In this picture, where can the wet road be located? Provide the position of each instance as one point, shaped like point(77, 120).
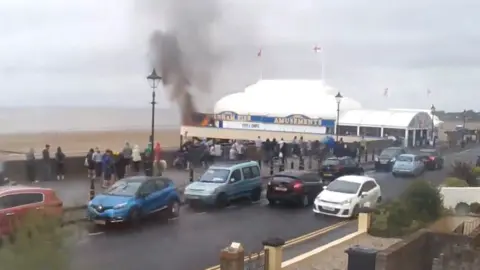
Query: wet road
point(194, 240)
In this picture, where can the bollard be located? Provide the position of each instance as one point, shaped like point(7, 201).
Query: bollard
point(191, 174)
point(319, 166)
point(373, 154)
point(359, 158)
point(292, 165)
point(366, 156)
point(260, 164)
point(301, 164)
point(92, 188)
point(271, 167)
point(310, 162)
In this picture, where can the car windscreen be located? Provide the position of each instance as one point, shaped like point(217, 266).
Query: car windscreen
point(330, 162)
point(405, 158)
point(123, 188)
point(341, 186)
point(389, 152)
point(215, 176)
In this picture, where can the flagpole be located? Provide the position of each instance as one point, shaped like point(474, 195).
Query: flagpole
point(322, 58)
point(260, 60)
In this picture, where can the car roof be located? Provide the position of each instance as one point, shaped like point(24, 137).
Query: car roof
point(355, 178)
point(339, 158)
point(233, 164)
point(407, 155)
point(19, 188)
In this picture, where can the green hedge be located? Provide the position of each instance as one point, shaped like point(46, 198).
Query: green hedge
point(418, 206)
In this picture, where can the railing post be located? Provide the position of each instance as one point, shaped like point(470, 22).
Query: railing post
point(301, 164)
point(274, 253)
point(191, 174)
point(364, 219)
point(373, 154)
point(271, 167)
point(232, 257)
point(366, 156)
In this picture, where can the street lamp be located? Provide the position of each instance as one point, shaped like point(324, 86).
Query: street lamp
point(154, 81)
point(338, 98)
point(464, 118)
point(432, 111)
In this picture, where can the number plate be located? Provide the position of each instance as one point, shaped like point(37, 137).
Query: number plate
point(327, 174)
point(383, 161)
point(100, 222)
point(281, 189)
point(328, 208)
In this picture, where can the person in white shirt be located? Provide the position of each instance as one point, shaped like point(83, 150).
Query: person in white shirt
point(233, 152)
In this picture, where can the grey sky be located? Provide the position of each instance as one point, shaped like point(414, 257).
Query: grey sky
point(82, 52)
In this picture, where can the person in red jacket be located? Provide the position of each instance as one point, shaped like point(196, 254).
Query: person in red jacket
point(157, 152)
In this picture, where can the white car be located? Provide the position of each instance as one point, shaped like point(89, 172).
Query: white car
point(344, 196)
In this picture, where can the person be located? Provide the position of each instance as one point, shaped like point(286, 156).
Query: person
point(31, 170)
point(90, 164)
point(232, 155)
point(136, 158)
point(108, 168)
point(127, 156)
point(120, 166)
point(283, 151)
point(98, 159)
point(157, 152)
point(60, 164)
point(46, 163)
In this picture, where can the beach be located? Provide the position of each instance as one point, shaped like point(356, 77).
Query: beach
point(79, 142)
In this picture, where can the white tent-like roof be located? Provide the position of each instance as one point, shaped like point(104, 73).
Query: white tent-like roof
point(386, 119)
point(436, 121)
point(281, 98)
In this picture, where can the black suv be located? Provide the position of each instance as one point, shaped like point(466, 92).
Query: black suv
point(335, 167)
point(386, 159)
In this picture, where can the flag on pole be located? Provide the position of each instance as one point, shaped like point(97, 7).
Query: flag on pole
point(428, 92)
point(317, 49)
point(385, 92)
point(259, 54)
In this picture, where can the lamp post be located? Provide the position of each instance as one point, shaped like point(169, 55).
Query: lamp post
point(432, 111)
point(464, 118)
point(154, 81)
point(338, 98)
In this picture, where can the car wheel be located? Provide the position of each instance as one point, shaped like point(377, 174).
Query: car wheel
point(379, 199)
point(222, 200)
point(256, 194)
point(173, 209)
point(355, 211)
point(305, 201)
point(134, 217)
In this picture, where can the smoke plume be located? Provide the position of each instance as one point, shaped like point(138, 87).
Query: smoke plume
point(184, 51)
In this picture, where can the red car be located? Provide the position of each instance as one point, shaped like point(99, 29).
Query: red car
point(17, 201)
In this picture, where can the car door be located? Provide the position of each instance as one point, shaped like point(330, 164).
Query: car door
point(235, 187)
point(161, 193)
point(350, 166)
point(149, 199)
point(371, 197)
point(6, 215)
point(19, 205)
point(248, 179)
point(365, 196)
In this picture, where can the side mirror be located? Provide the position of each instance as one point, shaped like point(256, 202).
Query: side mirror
point(232, 180)
point(324, 187)
point(363, 194)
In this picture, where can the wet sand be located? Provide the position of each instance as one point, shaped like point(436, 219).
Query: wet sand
point(78, 143)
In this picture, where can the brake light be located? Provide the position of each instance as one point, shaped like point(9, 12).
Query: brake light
point(431, 158)
point(298, 186)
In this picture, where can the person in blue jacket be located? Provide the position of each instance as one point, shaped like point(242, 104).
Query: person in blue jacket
point(108, 168)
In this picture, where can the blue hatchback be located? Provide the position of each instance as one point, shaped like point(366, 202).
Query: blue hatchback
point(133, 198)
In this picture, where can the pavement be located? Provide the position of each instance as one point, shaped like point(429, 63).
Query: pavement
point(194, 240)
point(76, 191)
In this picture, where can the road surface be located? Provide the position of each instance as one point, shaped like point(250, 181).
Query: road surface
point(194, 240)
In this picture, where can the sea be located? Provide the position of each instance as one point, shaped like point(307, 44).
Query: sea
point(68, 119)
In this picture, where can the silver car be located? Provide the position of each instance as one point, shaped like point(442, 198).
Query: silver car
point(408, 165)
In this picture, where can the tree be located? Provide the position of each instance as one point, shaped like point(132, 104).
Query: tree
point(38, 243)
point(455, 182)
point(423, 201)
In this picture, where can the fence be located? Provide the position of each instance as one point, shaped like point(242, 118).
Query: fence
point(257, 260)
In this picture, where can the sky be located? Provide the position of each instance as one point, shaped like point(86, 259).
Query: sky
point(96, 53)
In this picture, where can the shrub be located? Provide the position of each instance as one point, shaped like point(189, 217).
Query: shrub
point(464, 171)
point(476, 171)
point(454, 182)
point(423, 201)
point(475, 208)
point(37, 243)
point(462, 208)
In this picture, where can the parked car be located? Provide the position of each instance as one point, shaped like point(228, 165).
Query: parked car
point(408, 165)
point(335, 167)
point(431, 158)
point(16, 202)
point(224, 182)
point(133, 198)
point(344, 196)
point(298, 187)
point(386, 159)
